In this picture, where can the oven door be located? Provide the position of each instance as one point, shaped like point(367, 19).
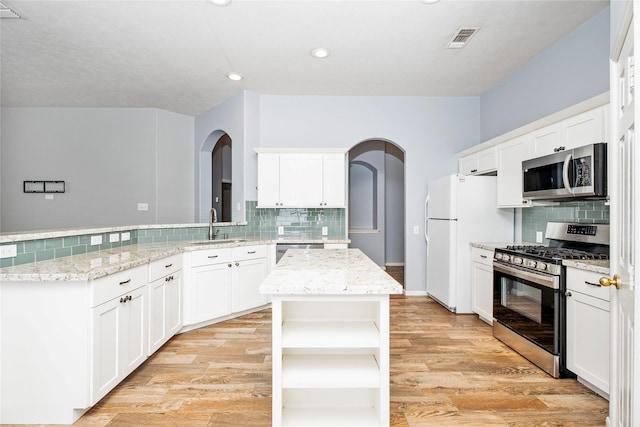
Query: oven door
point(528, 303)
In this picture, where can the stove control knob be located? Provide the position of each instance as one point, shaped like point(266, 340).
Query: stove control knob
point(542, 266)
point(517, 260)
point(531, 263)
point(506, 258)
point(498, 256)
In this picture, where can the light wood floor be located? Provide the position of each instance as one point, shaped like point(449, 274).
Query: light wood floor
point(446, 370)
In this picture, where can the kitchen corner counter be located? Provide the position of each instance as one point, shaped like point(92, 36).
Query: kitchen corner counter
point(490, 246)
point(330, 272)
point(596, 266)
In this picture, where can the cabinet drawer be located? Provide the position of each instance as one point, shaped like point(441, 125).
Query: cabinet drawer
point(249, 252)
point(164, 266)
point(113, 285)
point(483, 256)
point(210, 256)
point(578, 280)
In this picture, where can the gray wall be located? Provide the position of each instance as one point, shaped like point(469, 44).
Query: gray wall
point(394, 206)
point(111, 159)
point(574, 69)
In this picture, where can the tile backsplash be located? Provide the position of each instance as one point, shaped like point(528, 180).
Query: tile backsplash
point(588, 212)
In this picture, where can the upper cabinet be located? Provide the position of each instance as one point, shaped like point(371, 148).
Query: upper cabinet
point(302, 179)
point(583, 129)
point(510, 157)
point(480, 163)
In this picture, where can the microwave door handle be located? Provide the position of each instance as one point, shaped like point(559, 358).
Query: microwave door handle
point(565, 174)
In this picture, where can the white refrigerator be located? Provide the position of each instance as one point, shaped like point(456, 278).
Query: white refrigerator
point(459, 210)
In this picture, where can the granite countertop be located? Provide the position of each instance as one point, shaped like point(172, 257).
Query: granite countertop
point(490, 245)
point(330, 272)
point(97, 264)
point(596, 266)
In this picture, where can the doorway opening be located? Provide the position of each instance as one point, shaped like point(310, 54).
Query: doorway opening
point(376, 203)
point(221, 178)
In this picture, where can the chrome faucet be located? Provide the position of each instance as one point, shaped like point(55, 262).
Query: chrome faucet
point(213, 217)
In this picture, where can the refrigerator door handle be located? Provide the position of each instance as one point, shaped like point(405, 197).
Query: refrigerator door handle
point(426, 221)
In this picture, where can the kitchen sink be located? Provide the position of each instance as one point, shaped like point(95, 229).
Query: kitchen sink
point(213, 242)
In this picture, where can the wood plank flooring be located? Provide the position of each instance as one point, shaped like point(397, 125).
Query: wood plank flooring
point(446, 370)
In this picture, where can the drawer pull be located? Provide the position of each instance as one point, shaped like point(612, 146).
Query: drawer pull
point(593, 284)
point(168, 265)
point(474, 170)
point(251, 252)
point(125, 282)
point(483, 256)
point(212, 256)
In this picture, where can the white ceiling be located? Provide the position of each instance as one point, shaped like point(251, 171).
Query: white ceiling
point(175, 55)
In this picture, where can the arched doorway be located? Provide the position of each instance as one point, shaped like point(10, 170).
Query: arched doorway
point(376, 201)
point(216, 176)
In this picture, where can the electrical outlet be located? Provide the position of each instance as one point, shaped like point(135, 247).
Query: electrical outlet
point(48, 196)
point(538, 236)
point(115, 237)
point(238, 207)
point(96, 240)
point(416, 229)
point(8, 251)
point(280, 230)
point(125, 236)
point(143, 206)
point(325, 231)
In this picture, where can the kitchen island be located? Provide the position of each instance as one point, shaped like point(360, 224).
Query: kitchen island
point(330, 313)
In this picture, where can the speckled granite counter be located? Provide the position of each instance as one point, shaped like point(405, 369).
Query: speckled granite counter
point(334, 272)
point(97, 264)
point(596, 266)
point(490, 245)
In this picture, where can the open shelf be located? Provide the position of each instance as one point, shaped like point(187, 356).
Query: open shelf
point(327, 334)
point(330, 371)
point(330, 416)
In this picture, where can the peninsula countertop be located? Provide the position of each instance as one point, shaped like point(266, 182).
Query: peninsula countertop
point(328, 272)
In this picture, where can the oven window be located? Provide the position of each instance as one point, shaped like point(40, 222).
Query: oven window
point(523, 299)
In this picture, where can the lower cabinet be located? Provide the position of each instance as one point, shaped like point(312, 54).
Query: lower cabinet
point(331, 360)
point(119, 339)
point(482, 283)
point(165, 300)
point(211, 285)
point(249, 270)
point(588, 329)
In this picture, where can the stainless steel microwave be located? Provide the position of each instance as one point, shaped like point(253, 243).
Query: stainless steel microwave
point(577, 173)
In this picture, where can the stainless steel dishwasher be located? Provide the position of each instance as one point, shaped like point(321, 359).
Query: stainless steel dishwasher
point(281, 248)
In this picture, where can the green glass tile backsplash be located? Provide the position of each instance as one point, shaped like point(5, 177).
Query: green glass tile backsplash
point(535, 219)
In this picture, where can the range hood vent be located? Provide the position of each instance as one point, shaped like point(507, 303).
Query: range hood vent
point(461, 37)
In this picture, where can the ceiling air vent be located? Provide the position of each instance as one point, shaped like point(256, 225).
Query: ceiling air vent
point(461, 37)
point(6, 12)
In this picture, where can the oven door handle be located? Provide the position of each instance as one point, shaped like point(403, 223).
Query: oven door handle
point(546, 280)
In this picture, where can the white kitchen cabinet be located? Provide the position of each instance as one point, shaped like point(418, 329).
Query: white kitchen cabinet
point(311, 179)
point(331, 360)
point(510, 156)
point(482, 162)
point(249, 270)
point(586, 128)
point(210, 284)
point(588, 334)
point(119, 329)
point(482, 283)
point(165, 300)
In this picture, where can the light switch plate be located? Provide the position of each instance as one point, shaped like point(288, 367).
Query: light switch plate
point(143, 206)
point(280, 230)
point(8, 251)
point(125, 236)
point(325, 231)
point(114, 237)
point(538, 236)
point(416, 229)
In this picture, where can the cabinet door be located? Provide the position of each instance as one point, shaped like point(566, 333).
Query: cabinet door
point(173, 304)
point(268, 180)
point(211, 295)
point(301, 180)
point(548, 140)
point(510, 157)
point(478, 163)
point(334, 181)
point(157, 313)
point(135, 323)
point(482, 291)
point(588, 339)
point(106, 341)
point(247, 276)
point(586, 128)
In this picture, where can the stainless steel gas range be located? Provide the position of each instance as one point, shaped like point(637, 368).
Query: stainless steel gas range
point(529, 285)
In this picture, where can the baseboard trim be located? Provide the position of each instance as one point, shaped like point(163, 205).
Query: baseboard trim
point(394, 264)
point(415, 293)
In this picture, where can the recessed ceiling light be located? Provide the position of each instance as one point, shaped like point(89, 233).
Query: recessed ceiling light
point(429, 1)
point(234, 76)
point(320, 52)
point(220, 2)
